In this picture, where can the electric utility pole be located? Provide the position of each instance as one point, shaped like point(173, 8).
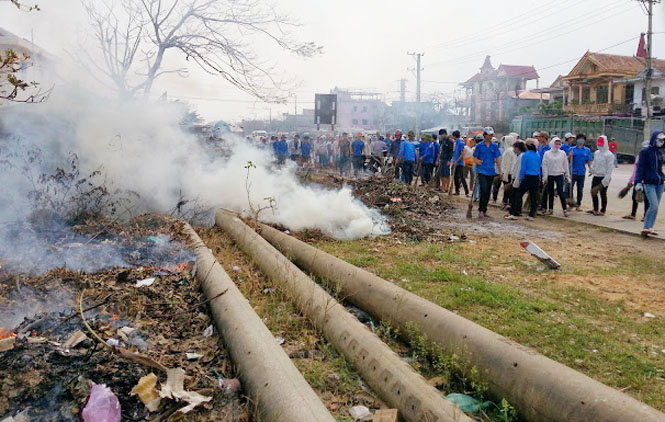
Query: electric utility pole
point(647, 90)
point(418, 70)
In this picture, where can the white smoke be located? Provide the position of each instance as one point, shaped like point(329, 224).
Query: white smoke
point(142, 147)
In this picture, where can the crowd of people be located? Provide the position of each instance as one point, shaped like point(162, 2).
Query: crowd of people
point(541, 167)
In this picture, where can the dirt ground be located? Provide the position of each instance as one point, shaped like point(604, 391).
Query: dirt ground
point(592, 258)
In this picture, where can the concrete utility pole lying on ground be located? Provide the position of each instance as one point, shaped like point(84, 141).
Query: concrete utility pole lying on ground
point(541, 389)
point(271, 381)
point(385, 372)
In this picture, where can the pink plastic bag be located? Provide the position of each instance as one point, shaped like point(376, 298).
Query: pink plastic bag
point(102, 406)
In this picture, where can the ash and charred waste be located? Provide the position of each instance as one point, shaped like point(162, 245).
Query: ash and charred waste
point(48, 370)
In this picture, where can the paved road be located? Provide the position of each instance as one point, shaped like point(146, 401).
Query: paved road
point(616, 208)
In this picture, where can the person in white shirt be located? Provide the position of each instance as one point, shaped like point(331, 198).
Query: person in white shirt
point(601, 170)
point(508, 159)
point(555, 171)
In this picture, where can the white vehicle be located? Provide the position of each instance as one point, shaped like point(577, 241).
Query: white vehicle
point(258, 134)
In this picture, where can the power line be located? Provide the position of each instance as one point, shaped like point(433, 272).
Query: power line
point(508, 47)
point(535, 11)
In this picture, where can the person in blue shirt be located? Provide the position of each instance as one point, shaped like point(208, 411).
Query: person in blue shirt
point(281, 148)
point(458, 163)
point(428, 156)
point(649, 178)
point(447, 148)
point(407, 157)
point(487, 156)
point(543, 146)
point(306, 150)
point(580, 158)
point(358, 150)
point(568, 142)
point(529, 180)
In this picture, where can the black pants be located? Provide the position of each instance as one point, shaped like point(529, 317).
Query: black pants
point(530, 184)
point(407, 171)
point(343, 164)
point(507, 190)
point(485, 184)
point(426, 170)
point(496, 185)
point(358, 161)
point(603, 194)
point(636, 204)
point(398, 169)
point(542, 192)
point(459, 179)
point(578, 179)
point(558, 180)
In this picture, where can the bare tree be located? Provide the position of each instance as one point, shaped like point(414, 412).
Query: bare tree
point(135, 35)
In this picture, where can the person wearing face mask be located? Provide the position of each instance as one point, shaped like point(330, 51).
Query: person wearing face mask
point(601, 170)
point(649, 178)
point(580, 158)
point(515, 210)
point(555, 170)
point(528, 180)
point(508, 159)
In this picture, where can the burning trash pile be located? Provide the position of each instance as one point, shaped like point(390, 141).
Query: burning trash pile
point(415, 212)
point(123, 342)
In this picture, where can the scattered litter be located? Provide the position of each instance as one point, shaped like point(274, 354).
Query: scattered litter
point(333, 378)
point(124, 332)
point(208, 331)
point(193, 356)
point(407, 359)
point(540, 269)
point(467, 403)
point(236, 268)
point(102, 406)
point(360, 413)
point(594, 351)
point(662, 351)
point(579, 361)
point(268, 291)
point(454, 238)
point(147, 392)
point(405, 280)
point(280, 340)
point(434, 199)
point(113, 342)
point(385, 415)
point(7, 344)
point(395, 199)
point(174, 389)
point(77, 337)
point(542, 256)
point(20, 417)
point(648, 315)
point(231, 386)
point(473, 242)
point(464, 272)
point(145, 282)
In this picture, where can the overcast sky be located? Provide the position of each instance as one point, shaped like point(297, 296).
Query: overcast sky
point(365, 44)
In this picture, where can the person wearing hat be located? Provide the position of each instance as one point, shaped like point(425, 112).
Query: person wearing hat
point(614, 149)
point(568, 142)
point(601, 170)
point(407, 158)
point(487, 156)
point(555, 171)
point(650, 179)
point(358, 150)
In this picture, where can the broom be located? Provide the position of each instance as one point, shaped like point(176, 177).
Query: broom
point(469, 211)
point(623, 192)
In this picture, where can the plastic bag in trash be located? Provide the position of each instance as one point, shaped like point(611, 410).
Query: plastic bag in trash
point(102, 406)
point(467, 403)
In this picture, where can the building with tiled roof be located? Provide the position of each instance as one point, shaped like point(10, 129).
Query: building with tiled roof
point(605, 83)
point(487, 91)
